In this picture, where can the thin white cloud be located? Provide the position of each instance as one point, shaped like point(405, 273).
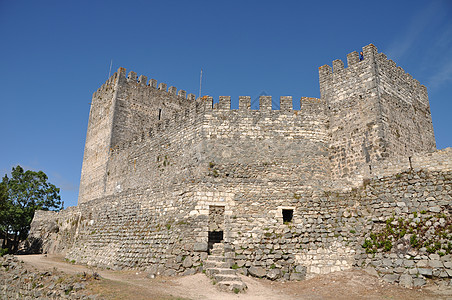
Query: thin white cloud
point(414, 30)
point(442, 76)
point(436, 60)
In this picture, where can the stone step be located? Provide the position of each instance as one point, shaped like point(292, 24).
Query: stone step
point(216, 264)
point(216, 252)
point(214, 271)
point(218, 245)
point(215, 258)
point(232, 285)
point(226, 277)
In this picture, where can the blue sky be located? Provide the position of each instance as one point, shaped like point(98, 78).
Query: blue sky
point(55, 54)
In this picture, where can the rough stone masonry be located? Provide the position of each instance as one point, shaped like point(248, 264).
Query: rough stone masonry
point(352, 179)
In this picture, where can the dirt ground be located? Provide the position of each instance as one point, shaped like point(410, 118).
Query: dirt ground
point(351, 284)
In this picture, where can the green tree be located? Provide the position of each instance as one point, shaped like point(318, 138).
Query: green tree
point(4, 208)
point(20, 196)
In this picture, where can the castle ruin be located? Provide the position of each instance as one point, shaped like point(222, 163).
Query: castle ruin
point(167, 178)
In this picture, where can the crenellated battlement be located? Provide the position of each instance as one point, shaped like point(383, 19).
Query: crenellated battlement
point(142, 80)
point(265, 104)
point(371, 57)
point(120, 77)
point(353, 60)
point(312, 107)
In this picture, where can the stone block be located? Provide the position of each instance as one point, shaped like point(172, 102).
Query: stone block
point(435, 209)
point(422, 263)
point(257, 271)
point(274, 274)
point(434, 256)
point(425, 272)
point(387, 263)
point(200, 247)
point(297, 276)
point(408, 263)
point(187, 263)
point(406, 280)
point(419, 282)
point(300, 269)
point(391, 278)
point(371, 271)
point(435, 264)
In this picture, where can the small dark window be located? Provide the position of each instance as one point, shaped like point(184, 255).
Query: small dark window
point(160, 113)
point(287, 215)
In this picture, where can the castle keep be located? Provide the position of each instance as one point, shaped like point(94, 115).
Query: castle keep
point(168, 179)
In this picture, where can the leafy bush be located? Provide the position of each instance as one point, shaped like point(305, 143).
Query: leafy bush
point(3, 251)
point(428, 232)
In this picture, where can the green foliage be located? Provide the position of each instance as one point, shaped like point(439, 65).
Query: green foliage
point(435, 238)
point(20, 196)
point(68, 290)
point(3, 251)
point(368, 245)
point(414, 242)
point(234, 267)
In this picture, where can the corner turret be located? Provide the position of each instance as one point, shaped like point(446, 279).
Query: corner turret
point(376, 111)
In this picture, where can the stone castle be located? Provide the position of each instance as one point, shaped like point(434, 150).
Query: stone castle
point(168, 179)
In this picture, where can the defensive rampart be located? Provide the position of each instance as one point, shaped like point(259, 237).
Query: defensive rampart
point(349, 180)
point(166, 231)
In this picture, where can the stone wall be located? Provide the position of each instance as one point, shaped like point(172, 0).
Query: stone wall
point(328, 230)
point(405, 110)
point(20, 282)
point(439, 160)
point(280, 145)
point(97, 142)
point(167, 232)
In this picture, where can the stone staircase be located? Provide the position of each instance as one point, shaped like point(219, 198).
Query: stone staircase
point(218, 267)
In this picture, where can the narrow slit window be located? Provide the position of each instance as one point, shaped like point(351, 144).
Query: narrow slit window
point(160, 114)
point(287, 215)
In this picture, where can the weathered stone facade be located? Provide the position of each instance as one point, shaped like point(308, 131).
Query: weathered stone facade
point(290, 193)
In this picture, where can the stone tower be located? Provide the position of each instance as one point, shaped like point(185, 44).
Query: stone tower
point(376, 111)
point(121, 109)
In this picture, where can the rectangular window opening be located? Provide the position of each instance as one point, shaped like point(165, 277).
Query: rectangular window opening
point(287, 215)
